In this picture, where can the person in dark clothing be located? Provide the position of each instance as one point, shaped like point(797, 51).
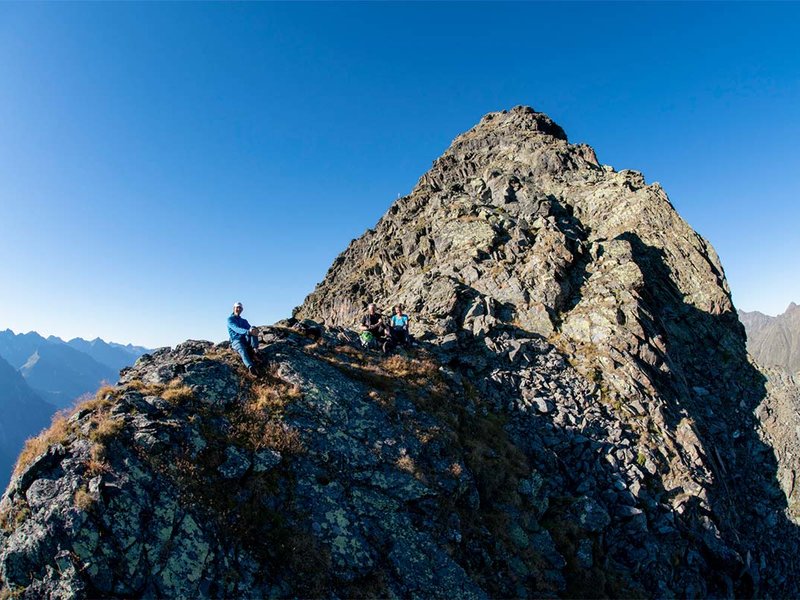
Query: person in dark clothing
point(373, 329)
point(244, 339)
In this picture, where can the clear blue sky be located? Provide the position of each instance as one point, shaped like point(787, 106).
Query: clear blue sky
point(160, 161)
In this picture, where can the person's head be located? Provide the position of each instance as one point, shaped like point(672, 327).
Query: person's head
point(398, 309)
point(371, 308)
point(238, 308)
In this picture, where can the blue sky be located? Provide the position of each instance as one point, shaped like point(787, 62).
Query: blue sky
point(160, 161)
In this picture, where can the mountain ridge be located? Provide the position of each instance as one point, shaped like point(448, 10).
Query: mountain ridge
point(22, 414)
point(580, 417)
point(119, 353)
point(774, 341)
point(69, 369)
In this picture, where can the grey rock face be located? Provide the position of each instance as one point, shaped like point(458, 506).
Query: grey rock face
point(774, 341)
point(515, 233)
point(579, 418)
point(779, 425)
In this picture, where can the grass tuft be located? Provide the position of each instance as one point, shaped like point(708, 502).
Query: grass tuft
point(105, 427)
point(83, 499)
point(59, 432)
point(177, 392)
point(280, 437)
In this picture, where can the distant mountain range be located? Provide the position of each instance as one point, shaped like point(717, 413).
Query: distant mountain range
point(40, 375)
point(774, 341)
point(60, 371)
point(22, 414)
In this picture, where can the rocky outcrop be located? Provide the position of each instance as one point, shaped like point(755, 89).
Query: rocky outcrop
point(774, 341)
point(580, 417)
point(779, 427)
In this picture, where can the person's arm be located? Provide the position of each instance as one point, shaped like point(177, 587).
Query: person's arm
point(235, 328)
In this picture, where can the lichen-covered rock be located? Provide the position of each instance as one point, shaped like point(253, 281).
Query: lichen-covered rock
point(579, 418)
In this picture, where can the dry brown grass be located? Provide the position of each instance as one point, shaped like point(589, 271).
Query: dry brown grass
point(58, 432)
point(102, 399)
point(280, 437)
point(256, 422)
point(105, 427)
point(220, 353)
point(145, 389)
point(421, 370)
point(177, 392)
point(388, 374)
point(83, 499)
point(96, 467)
point(9, 594)
point(406, 463)
point(13, 516)
point(61, 429)
point(386, 400)
point(269, 398)
point(348, 351)
point(96, 464)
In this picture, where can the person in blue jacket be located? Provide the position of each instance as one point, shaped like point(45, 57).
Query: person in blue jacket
point(244, 339)
point(399, 327)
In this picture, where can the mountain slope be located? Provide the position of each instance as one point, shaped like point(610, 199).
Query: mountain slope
point(17, 348)
point(61, 374)
point(580, 418)
point(515, 232)
point(62, 371)
point(22, 414)
point(774, 341)
point(114, 356)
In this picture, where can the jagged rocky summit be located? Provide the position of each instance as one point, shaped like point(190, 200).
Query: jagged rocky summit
point(580, 417)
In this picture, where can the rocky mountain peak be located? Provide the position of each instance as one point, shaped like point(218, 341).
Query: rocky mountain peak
point(579, 417)
point(774, 341)
point(514, 213)
point(520, 119)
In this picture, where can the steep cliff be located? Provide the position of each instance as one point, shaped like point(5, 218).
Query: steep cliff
point(580, 417)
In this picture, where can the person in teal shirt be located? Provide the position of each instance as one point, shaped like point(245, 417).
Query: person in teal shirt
point(399, 327)
point(244, 339)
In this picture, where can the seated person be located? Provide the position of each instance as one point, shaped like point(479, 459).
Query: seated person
point(244, 339)
point(373, 327)
point(399, 327)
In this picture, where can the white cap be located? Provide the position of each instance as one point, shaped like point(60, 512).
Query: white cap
point(238, 304)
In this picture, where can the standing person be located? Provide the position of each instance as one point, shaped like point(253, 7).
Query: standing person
point(399, 330)
point(244, 339)
point(373, 327)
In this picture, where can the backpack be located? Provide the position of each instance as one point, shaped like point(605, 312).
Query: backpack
point(367, 339)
